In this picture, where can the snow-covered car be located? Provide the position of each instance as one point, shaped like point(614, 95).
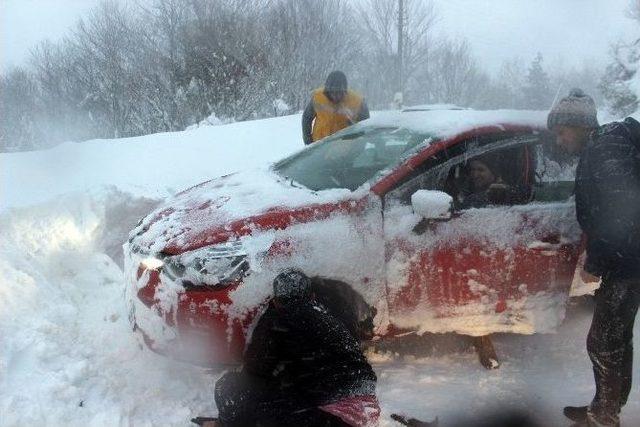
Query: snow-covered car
point(372, 213)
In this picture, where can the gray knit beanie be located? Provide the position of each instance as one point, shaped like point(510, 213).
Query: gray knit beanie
point(577, 110)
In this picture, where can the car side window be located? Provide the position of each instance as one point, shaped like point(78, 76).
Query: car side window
point(555, 173)
point(484, 173)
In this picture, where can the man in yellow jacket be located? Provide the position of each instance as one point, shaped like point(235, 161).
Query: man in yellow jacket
point(332, 107)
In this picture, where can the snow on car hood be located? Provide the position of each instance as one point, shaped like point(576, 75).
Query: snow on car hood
point(232, 205)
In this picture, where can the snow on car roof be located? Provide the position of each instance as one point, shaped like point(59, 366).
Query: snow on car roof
point(446, 123)
point(432, 107)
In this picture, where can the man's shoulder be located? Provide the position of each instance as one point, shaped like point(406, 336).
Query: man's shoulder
point(613, 141)
point(613, 129)
point(627, 131)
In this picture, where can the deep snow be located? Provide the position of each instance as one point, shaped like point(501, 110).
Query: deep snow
point(153, 166)
point(68, 356)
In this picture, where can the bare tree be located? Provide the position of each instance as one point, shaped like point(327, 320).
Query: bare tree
point(163, 61)
point(453, 75)
point(507, 92)
point(537, 93)
point(162, 65)
point(620, 73)
point(380, 22)
point(307, 40)
point(587, 77)
point(107, 45)
point(18, 127)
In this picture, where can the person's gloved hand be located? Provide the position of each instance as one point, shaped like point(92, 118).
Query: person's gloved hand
point(498, 193)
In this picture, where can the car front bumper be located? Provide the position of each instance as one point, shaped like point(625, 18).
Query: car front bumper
point(191, 326)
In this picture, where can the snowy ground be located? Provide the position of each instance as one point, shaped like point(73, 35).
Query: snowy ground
point(67, 354)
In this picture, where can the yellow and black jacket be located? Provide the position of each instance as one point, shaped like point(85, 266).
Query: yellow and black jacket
point(322, 117)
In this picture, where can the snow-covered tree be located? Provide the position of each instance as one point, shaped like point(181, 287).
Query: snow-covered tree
point(451, 75)
point(537, 91)
point(586, 77)
point(506, 89)
point(307, 40)
point(620, 83)
point(107, 49)
point(18, 128)
point(130, 68)
point(163, 61)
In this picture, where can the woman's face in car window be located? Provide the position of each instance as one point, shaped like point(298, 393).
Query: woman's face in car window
point(480, 176)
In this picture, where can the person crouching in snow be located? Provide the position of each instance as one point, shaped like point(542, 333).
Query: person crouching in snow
point(607, 193)
point(302, 367)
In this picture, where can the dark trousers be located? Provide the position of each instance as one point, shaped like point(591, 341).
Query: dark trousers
point(610, 346)
point(244, 401)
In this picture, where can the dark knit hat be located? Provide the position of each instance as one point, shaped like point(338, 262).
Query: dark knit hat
point(291, 284)
point(577, 110)
point(336, 82)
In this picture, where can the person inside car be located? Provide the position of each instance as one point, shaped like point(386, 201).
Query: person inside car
point(302, 367)
point(484, 186)
point(481, 177)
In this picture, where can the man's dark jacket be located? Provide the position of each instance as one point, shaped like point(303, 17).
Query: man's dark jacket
point(608, 200)
point(302, 350)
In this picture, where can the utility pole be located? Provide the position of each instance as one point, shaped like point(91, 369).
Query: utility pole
point(399, 93)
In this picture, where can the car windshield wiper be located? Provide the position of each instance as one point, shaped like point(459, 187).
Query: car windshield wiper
point(352, 136)
point(295, 184)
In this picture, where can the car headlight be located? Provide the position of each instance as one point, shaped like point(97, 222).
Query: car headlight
point(151, 263)
point(212, 266)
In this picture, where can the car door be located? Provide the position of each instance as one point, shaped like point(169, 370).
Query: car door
point(499, 268)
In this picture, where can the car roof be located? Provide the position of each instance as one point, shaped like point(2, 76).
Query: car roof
point(432, 107)
point(447, 123)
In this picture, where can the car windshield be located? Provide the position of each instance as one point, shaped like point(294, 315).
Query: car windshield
point(350, 158)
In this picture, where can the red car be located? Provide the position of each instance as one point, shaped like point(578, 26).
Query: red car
point(379, 216)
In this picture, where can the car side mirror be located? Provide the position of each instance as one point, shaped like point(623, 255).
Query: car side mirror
point(431, 204)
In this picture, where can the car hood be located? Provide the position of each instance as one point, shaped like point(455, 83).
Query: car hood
point(233, 206)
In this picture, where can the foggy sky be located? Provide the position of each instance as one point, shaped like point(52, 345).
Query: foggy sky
point(566, 32)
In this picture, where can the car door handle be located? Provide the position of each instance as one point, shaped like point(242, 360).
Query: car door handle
point(550, 245)
point(544, 246)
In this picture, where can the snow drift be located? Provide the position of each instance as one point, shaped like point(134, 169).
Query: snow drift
point(69, 358)
point(68, 355)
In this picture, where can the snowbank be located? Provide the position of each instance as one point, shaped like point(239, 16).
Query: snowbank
point(69, 358)
point(154, 166)
point(67, 354)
